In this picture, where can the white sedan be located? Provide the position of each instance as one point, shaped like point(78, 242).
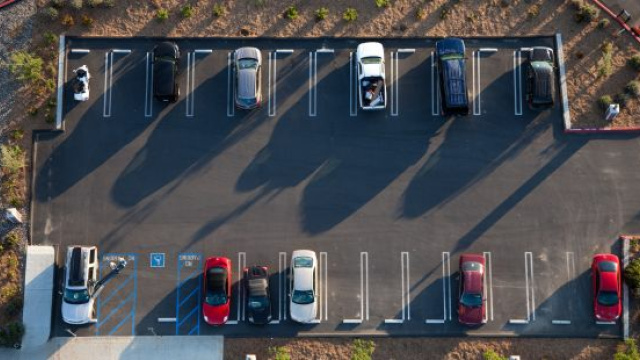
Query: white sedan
point(303, 302)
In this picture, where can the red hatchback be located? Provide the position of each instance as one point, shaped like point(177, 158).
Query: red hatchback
point(472, 301)
point(607, 287)
point(217, 290)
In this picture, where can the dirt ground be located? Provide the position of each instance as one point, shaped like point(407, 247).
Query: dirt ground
point(426, 348)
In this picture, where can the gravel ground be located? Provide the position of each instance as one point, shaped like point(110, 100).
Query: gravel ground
point(16, 23)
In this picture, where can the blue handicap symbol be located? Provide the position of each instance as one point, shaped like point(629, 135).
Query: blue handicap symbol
point(157, 260)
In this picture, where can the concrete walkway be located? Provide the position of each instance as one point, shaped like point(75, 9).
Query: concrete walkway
point(126, 348)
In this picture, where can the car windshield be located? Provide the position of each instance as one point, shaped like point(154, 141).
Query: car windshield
point(76, 296)
point(607, 298)
point(247, 64)
point(216, 298)
point(451, 57)
point(258, 302)
point(472, 300)
point(371, 60)
point(303, 261)
point(302, 296)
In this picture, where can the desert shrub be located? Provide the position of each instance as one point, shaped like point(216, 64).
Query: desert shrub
point(87, 20)
point(533, 11)
point(67, 20)
point(12, 262)
point(633, 88)
point(109, 3)
point(605, 101)
point(75, 4)
point(49, 38)
point(322, 13)
point(162, 14)
point(621, 99)
point(634, 61)
point(383, 3)
point(51, 13)
point(421, 14)
point(33, 111)
point(49, 117)
point(577, 4)
point(58, 4)
point(12, 240)
point(94, 3)
point(605, 68)
point(291, 13)
point(186, 11)
point(279, 353)
point(362, 349)
point(14, 306)
point(9, 290)
point(492, 355)
point(218, 10)
point(445, 12)
point(627, 351)
point(12, 158)
point(632, 274)
point(49, 84)
point(604, 23)
point(587, 13)
point(26, 66)
point(606, 47)
point(11, 334)
point(471, 18)
point(350, 14)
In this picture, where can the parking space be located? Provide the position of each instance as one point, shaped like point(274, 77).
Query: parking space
point(388, 199)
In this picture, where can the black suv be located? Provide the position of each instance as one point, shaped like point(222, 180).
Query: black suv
point(540, 77)
point(451, 64)
point(166, 57)
point(257, 294)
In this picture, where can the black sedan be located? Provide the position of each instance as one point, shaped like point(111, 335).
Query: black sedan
point(257, 294)
point(166, 57)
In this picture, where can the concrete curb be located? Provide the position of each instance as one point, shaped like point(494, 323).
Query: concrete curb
point(626, 242)
point(61, 71)
point(564, 97)
point(38, 295)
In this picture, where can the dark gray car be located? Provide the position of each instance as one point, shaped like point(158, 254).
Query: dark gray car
point(247, 68)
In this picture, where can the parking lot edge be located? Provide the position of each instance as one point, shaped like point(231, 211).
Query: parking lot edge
point(564, 97)
point(61, 72)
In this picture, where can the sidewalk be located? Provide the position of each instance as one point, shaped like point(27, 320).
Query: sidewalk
point(129, 348)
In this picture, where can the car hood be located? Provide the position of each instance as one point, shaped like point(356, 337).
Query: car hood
point(303, 313)
point(77, 313)
point(470, 315)
point(607, 313)
point(372, 70)
point(261, 316)
point(216, 315)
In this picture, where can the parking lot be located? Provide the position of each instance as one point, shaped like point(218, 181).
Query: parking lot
point(388, 199)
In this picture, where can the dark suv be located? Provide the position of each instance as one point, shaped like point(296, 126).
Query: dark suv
point(257, 294)
point(540, 78)
point(451, 64)
point(166, 57)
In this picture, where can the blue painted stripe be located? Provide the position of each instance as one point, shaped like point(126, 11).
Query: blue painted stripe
point(199, 302)
point(135, 296)
point(188, 296)
point(117, 290)
point(188, 316)
point(120, 324)
point(178, 296)
point(126, 300)
point(195, 328)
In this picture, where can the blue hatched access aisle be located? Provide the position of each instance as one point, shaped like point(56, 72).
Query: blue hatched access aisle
point(188, 294)
point(116, 304)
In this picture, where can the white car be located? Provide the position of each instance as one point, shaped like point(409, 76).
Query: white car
point(81, 83)
point(372, 92)
point(303, 302)
point(79, 280)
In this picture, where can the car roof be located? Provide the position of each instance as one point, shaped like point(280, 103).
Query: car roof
point(166, 48)
point(247, 83)
point(76, 267)
point(543, 77)
point(303, 278)
point(473, 281)
point(608, 281)
point(248, 52)
point(257, 287)
point(455, 89)
point(541, 53)
point(216, 277)
point(164, 82)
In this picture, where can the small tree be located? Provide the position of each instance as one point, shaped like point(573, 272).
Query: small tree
point(605, 101)
point(627, 351)
point(633, 88)
point(12, 157)
point(162, 14)
point(634, 61)
point(362, 349)
point(25, 66)
point(218, 10)
point(291, 13)
point(632, 274)
point(322, 13)
point(350, 15)
point(186, 11)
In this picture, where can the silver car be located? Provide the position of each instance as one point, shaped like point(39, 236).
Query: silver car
point(247, 69)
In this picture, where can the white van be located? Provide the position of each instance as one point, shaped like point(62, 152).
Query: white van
point(80, 277)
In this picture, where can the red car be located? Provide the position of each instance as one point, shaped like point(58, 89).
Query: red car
point(472, 301)
point(217, 290)
point(607, 287)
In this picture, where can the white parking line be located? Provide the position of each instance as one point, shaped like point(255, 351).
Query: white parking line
point(311, 87)
point(406, 291)
point(625, 289)
point(242, 262)
point(121, 51)
point(108, 77)
point(313, 79)
point(191, 70)
point(353, 83)
point(529, 291)
point(488, 289)
point(203, 51)
point(517, 83)
point(364, 290)
point(273, 79)
point(476, 83)
point(269, 87)
point(393, 82)
point(230, 87)
point(446, 290)
point(148, 91)
point(571, 270)
point(282, 287)
point(435, 88)
point(324, 285)
point(166, 320)
point(561, 322)
point(406, 51)
point(532, 286)
point(80, 51)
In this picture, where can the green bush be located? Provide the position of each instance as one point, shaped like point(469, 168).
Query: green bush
point(218, 10)
point(67, 20)
point(533, 11)
point(492, 355)
point(49, 38)
point(58, 4)
point(627, 351)
point(17, 134)
point(279, 353)
point(444, 13)
point(291, 13)
point(186, 11)
point(94, 3)
point(322, 13)
point(383, 3)
point(12, 240)
point(604, 23)
point(51, 13)
point(633, 88)
point(634, 61)
point(587, 13)
point(162, 14)
point(75, 4)
point(12, 158)
point(577, 4)
point(605, 68)
point(606, 47)
point(14, 306)
point(421, 14)
point(350, 15)
point(605, 101)
point(25, 66)
point(621, 99)
point(12, 334)
point(87, 21)
point(362, 349)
